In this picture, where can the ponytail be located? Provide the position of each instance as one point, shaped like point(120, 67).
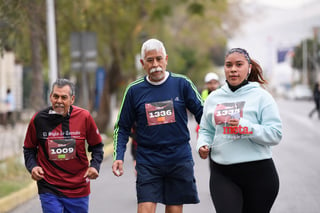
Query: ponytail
point(256, 73)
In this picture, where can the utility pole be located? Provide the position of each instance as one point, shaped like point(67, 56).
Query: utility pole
point(315, 58)
point(305, 62)
point(52, 42)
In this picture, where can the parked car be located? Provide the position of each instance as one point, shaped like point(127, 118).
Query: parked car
point(300, 92)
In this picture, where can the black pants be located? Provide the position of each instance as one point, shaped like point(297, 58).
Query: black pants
point(245, 187)
point(316, 109)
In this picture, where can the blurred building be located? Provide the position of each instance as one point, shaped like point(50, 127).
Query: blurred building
point(10, 77)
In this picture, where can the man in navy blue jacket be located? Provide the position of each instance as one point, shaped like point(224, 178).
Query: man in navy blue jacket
point(158, 104)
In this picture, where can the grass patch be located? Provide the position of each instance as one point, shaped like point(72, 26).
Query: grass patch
point(13, 175)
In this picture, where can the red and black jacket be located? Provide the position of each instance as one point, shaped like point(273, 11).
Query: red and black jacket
point(63, 177)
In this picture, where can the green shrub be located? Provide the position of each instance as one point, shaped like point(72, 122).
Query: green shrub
point(13, 175)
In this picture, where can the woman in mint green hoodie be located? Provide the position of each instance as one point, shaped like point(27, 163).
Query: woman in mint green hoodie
point(240, 123)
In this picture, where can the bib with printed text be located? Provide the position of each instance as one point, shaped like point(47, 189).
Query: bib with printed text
point(160, 112)
point(62, 149)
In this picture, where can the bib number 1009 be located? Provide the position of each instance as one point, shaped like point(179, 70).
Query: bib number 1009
point(58, 150)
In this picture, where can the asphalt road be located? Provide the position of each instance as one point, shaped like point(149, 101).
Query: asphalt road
point(297, 160)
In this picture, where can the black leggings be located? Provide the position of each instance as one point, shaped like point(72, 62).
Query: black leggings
point(245, 187)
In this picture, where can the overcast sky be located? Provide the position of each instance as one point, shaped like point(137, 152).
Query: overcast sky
point(282, 3)
point(269, 28)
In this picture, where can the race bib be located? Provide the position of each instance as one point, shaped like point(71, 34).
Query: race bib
point(223, 112)
point(160, 112)
point(62, 149)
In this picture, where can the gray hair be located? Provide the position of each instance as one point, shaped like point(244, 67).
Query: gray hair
point(61, 82)
point(152, 44)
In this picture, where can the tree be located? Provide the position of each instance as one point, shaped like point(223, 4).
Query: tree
point(193, 32)
point(35, 13)
point(179, 23)
point(313, 59)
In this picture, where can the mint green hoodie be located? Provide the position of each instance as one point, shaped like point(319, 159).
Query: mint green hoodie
point(260, 125)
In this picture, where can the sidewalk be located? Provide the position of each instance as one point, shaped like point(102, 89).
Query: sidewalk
point(11, 144)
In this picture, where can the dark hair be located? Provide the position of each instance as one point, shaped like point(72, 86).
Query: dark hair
point(241, 51)
point(61, 82)
point(256, 74)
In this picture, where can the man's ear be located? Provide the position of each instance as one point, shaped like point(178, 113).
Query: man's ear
point(142, 62)
point(72, 99)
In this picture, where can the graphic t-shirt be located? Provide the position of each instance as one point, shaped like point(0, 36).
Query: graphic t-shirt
point(60, 146)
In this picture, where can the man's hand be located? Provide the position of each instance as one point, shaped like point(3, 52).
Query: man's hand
point(204, 152)
point(37, 173)
point(91, 173)
point(117, 168)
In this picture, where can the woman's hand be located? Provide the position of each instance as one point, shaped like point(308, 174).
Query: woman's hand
point(204, 152)
point(233, 122)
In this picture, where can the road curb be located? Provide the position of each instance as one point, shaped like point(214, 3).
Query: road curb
point(17, 198)
point(11, 201)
